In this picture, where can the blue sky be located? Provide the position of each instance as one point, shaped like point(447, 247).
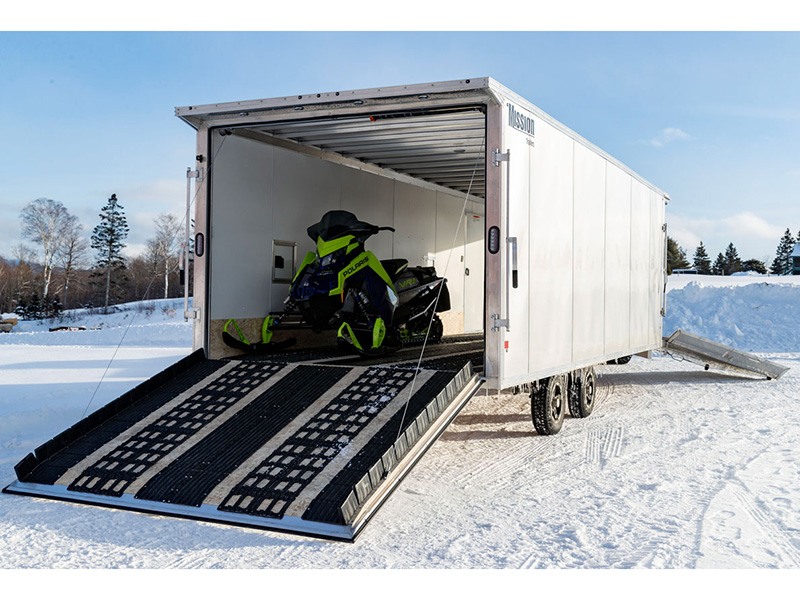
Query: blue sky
point(712, 118)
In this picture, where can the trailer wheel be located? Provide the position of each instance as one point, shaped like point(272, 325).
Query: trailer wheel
point(582, 394)
point(624, 360)
point(548, 404)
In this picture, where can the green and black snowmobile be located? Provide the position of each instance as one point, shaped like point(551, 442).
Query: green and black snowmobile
point(375, 306)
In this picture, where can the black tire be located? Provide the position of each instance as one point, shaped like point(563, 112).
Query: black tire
point(624, 360)
point(549, 404)
point(436, 331)
point(582, 393)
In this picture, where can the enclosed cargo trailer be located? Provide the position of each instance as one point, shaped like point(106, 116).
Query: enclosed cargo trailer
point(552, 249)
point(554, 254)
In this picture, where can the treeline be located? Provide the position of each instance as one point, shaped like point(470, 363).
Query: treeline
point(729, 262)
point(62, 268)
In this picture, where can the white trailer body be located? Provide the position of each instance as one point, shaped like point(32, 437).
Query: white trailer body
point(552, 249)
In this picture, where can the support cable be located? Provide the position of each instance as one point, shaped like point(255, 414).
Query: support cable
point(150, 284)
point(461, 218)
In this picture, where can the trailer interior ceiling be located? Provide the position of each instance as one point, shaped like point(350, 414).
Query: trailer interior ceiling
point(444, 146)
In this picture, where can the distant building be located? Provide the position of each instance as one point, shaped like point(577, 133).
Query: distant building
point(795, 258)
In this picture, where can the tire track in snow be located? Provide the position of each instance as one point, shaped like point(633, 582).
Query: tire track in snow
point(603, 445)
point(495, 475)
point(765, 524)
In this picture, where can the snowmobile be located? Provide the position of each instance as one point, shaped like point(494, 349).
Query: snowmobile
point(376, 306)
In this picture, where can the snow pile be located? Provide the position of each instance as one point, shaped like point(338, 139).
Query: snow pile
point(754, 317)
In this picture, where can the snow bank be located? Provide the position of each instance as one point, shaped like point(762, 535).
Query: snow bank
point(754, 317)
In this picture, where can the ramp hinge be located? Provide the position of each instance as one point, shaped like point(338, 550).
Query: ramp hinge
point(192, 174)
point(497, 323)
point(498, 157)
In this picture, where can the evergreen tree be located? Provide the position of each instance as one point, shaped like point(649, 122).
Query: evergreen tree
point(676, 256)
point(733, 264)
point(782, 263)
point(107, 240)
point(701, 261)
point(719, 265)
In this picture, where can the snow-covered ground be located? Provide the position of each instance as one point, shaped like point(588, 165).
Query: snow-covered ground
point(677, 467)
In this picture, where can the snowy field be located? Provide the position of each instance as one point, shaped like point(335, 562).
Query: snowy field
point(676, 468)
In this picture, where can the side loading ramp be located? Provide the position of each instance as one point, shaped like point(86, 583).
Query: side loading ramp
point(281, 442)
point(709, 353)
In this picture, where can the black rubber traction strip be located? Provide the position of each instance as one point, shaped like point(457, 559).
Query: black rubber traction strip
point(56, 456)
point(194, 474)
point(325, 507)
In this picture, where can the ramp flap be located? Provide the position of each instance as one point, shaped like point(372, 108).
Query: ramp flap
point(307, 448)
point(722, 356)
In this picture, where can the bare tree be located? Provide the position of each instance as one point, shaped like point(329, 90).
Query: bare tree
point(163, 249)
point(43, 222)
point(73, 252)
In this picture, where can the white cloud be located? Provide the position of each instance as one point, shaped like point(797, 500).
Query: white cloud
point(752, 236)
point(669, 135)
point(748, 225)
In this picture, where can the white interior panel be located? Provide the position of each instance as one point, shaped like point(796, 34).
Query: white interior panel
point(474, 268)
point(589, 254)
point(617, 259)
point(449, 255)
point(415, 222)
point(371, 199)
point(240, 241)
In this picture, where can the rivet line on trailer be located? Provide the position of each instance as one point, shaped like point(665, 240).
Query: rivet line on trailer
point(149, 285)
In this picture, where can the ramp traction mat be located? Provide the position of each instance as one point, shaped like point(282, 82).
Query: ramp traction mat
point(279, 479)
point(123, 464)
point(267, 444)
point(192, 476)
point(51, 469)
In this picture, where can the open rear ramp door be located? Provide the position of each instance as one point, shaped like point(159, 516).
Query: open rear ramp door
point(305, 447)
point(709, 353)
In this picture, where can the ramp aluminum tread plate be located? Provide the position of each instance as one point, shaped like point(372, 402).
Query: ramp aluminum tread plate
point(304, 448)
point(724, 357)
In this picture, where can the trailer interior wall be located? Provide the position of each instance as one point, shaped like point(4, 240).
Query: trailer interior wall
point(590, 248)
point(261, 194)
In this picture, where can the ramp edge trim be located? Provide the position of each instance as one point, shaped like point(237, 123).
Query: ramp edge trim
point(379, 493)
point(205, 513)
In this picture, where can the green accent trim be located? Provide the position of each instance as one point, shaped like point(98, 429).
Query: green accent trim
point(266, 326)
point(365, 259)
point(378, 333)
point(310, 258)
point(351, 247)
point(238, 331)
point(324, 248)
point(351, 336)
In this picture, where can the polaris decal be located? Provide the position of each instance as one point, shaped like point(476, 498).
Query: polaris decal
point(350, 270)
point(520, 121)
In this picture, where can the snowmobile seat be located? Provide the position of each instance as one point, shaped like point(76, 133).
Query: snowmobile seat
point(394, 266)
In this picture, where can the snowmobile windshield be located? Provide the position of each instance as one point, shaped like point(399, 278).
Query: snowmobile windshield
point(336, 223)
